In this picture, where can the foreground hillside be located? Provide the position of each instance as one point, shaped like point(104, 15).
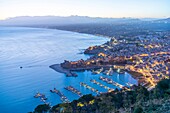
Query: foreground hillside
point(138, 100)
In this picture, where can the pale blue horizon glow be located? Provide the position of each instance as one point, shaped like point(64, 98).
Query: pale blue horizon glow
point(92, 8)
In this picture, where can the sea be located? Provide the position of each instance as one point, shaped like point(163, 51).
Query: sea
point(35, 49)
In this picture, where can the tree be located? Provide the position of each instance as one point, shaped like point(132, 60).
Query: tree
point(143, 94)
point(162, 88)
point(42, 108)
point(138, 109)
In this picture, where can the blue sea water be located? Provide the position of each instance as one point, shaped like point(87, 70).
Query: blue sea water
point(35, 49)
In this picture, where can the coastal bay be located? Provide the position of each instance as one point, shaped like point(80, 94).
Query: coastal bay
point(35, 50)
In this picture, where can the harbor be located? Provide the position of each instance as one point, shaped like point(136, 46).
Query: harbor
point(91, 84)
point(86, 85)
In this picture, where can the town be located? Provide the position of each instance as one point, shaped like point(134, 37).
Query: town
point(145, 57)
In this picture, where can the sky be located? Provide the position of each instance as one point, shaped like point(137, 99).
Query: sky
point(92, 8)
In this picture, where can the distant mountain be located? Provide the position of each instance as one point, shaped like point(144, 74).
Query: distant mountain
point(167, 20)
point(150, 19)
point(57, 20)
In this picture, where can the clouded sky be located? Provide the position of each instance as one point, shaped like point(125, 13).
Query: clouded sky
point(93, 8)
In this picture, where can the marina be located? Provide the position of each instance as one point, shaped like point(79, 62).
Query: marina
point(63, 98)
point(74, 90)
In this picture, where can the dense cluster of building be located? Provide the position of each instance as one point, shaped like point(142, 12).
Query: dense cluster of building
point(153, 67)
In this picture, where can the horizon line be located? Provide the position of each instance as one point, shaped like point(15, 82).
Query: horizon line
point(85, 16)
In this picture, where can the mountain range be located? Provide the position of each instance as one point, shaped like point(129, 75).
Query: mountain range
point(58, 20)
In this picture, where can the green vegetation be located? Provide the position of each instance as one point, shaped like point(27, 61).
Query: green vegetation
point(42, 108)
point(138, 100)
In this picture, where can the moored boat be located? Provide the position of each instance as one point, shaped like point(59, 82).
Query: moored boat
point(74, 90)
point(63, 98)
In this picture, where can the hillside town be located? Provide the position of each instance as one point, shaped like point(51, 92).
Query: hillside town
point(146, 57)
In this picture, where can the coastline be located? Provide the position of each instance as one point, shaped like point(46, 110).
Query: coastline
point(48, 28)
point(134, 51)
point(58, 68)
point(68, 72)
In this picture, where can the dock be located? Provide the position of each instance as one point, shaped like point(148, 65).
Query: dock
point(129, 84)
point(101, 85)
point(110, 81)
point(97, 71)
point(74, 90)
point(109, 72)
point(120, 71)
point(41, 96)
point(63, 98)
point(89, 87)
